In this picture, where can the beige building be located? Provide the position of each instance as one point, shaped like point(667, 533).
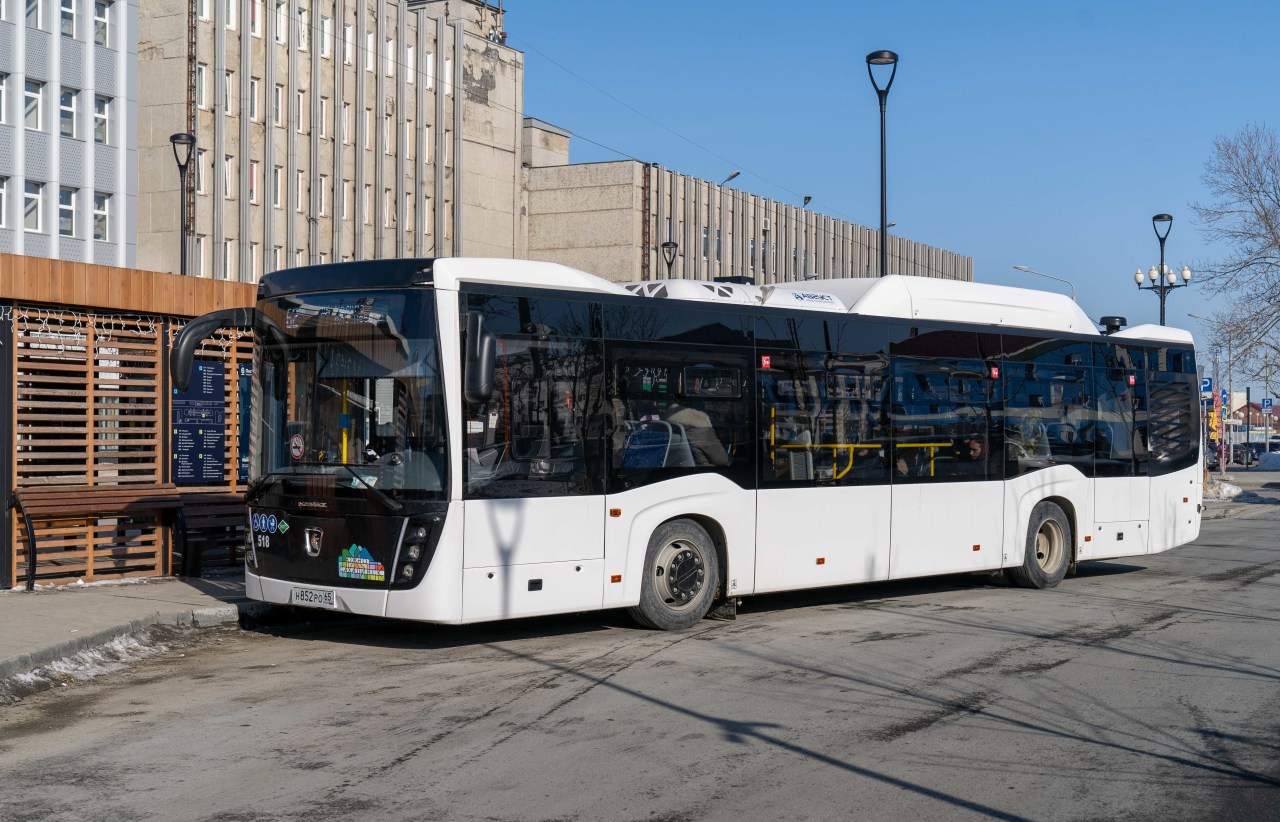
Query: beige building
point(611, 219)
point(328, 130)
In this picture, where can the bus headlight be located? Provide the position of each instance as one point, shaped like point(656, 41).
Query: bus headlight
point(413, 551)
point(406, 573)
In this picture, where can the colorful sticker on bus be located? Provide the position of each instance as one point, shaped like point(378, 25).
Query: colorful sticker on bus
point(356, 563)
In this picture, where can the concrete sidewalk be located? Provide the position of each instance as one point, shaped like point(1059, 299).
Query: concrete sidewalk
point(50, 623)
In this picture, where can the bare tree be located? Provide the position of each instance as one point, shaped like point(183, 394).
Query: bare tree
point(1243, 176)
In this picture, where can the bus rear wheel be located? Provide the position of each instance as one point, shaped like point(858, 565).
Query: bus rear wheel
point(681, 577)
point(1048, 553)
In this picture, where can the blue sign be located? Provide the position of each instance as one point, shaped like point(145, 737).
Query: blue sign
point(1206, 385)
point(198, 426)
point(1225, 401)
point(1266, 405)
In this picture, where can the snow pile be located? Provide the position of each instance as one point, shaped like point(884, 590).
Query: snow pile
point(1269, 461)
point(87, 664)
point(1219, 490)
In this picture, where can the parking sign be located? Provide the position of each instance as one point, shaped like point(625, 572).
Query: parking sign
point(1206, 385)
point(1266, 406)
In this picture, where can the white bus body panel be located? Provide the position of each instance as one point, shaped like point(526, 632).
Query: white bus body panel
point(1024, 492)
point(848, 528)
point(936, 526)
point(1121, 498)
point(709, 496)
point(1175, 503)
point(438, 596)
point(501, 532)
point(536, 589)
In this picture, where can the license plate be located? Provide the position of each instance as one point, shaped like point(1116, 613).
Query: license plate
point(313, 597)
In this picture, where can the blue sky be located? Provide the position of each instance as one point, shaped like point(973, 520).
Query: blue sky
point(1018, 132)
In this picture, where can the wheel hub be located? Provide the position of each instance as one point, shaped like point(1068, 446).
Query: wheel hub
point(681, 573)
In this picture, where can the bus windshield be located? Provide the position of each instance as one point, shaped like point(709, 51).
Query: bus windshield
point(349, 388)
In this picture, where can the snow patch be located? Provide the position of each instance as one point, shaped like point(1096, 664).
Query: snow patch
point(88, 664)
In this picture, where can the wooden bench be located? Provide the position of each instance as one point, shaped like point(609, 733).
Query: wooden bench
point(211, 525)
point(52, 502)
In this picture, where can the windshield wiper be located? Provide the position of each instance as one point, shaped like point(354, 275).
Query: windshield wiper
point(391, 505)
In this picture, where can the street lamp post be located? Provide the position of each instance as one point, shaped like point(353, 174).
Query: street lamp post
point(1162, 279)
point(669, 254)
point(182, 145)
point(882, 58)
point(1051, 277)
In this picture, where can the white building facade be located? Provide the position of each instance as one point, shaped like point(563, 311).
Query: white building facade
point(68, 129)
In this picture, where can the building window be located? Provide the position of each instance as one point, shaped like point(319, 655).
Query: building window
point(255, 92)
point(102, 22)
point(326, 36)
point(324, 117)
point(323, 206)
point(66, 212)
point(277, 106)
point(200, 238)
point(277, 254)
point(102, 119)
point(705, 242)
point(389, 56)
point(201, 93)
point(35, 14)
point(101, 216)
point(448, 75)
point(255, 260)
point(388, 208)
point(203, 9)
point(426, 152)
point(368, 204)
point(369, 51)
point(227, 165)
point(228, 259)
point(448, 141)
point(346, 123)
point(348, 43)
point(407, 222)
point(300, 182)
point(68, 18)
point(411, 66)
point(232, 6)
point(4, 96)
point(387, 131)
point(430, 70)
point(348, 191)
point(368, 128)
point(426, 214)
point(4, 202)
point(256, 10)
point(253, 181)
point(33, 207)
point(228, 81)
point(200, 162)
point(302, 107)
point(67, 103)
point(304, 29)
point(282, 23)
point(277, 186)
point(33, 105)
point(324, 258)
point(298, 258)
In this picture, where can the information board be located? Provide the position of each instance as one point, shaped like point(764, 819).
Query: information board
point(244, 386)
point(199, 422)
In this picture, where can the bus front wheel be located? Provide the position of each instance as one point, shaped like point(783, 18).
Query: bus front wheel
point(681, 577)
point(1048, 553)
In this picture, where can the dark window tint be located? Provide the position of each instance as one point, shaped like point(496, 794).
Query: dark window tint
point(1121, 357)
point(674, 412)
point(542, 316)
point(1172, 360)
point(1048, 352)
point(1174, 422)
point(1048, 417)
point(823, 419)
point(1120, 433)
point(940, 411)
point(672, 323)
point(944, 343)
point(542, 431)
point(782, 333)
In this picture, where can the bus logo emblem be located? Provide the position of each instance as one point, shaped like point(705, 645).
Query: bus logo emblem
point(314, 537)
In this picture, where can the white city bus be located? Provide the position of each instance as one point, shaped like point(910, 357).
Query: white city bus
point(460, 440)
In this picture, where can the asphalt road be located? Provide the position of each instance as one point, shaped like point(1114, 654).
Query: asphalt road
point(1142, 689)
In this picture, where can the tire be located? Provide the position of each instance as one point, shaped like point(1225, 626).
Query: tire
point(1048, 552)
point(681, 577)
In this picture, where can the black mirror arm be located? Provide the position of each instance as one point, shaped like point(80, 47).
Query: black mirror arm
point(184, 345)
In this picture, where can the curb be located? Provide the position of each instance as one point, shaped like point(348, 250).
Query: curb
point(193, 618)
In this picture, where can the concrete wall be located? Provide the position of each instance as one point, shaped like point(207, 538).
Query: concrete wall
point(593, 216)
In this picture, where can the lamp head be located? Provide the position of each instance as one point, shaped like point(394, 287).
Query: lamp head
point(807, 199)
point(882, 58)
point(669, 251)
point(1170, 278)
point(1137, 277)
point(1153, 274)
point(182, 144)
point(1162, 220)
point(731, 176)
point(1186, 274)
point(1023, 268)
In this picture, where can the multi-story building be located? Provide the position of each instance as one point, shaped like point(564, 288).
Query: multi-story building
point(328, 130)
point(68, 108)
point(613, 218)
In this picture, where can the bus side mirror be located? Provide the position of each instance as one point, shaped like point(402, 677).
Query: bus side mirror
point(478, 366)
point(194, 332)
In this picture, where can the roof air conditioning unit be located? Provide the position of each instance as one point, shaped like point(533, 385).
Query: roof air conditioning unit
point(766, 225)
